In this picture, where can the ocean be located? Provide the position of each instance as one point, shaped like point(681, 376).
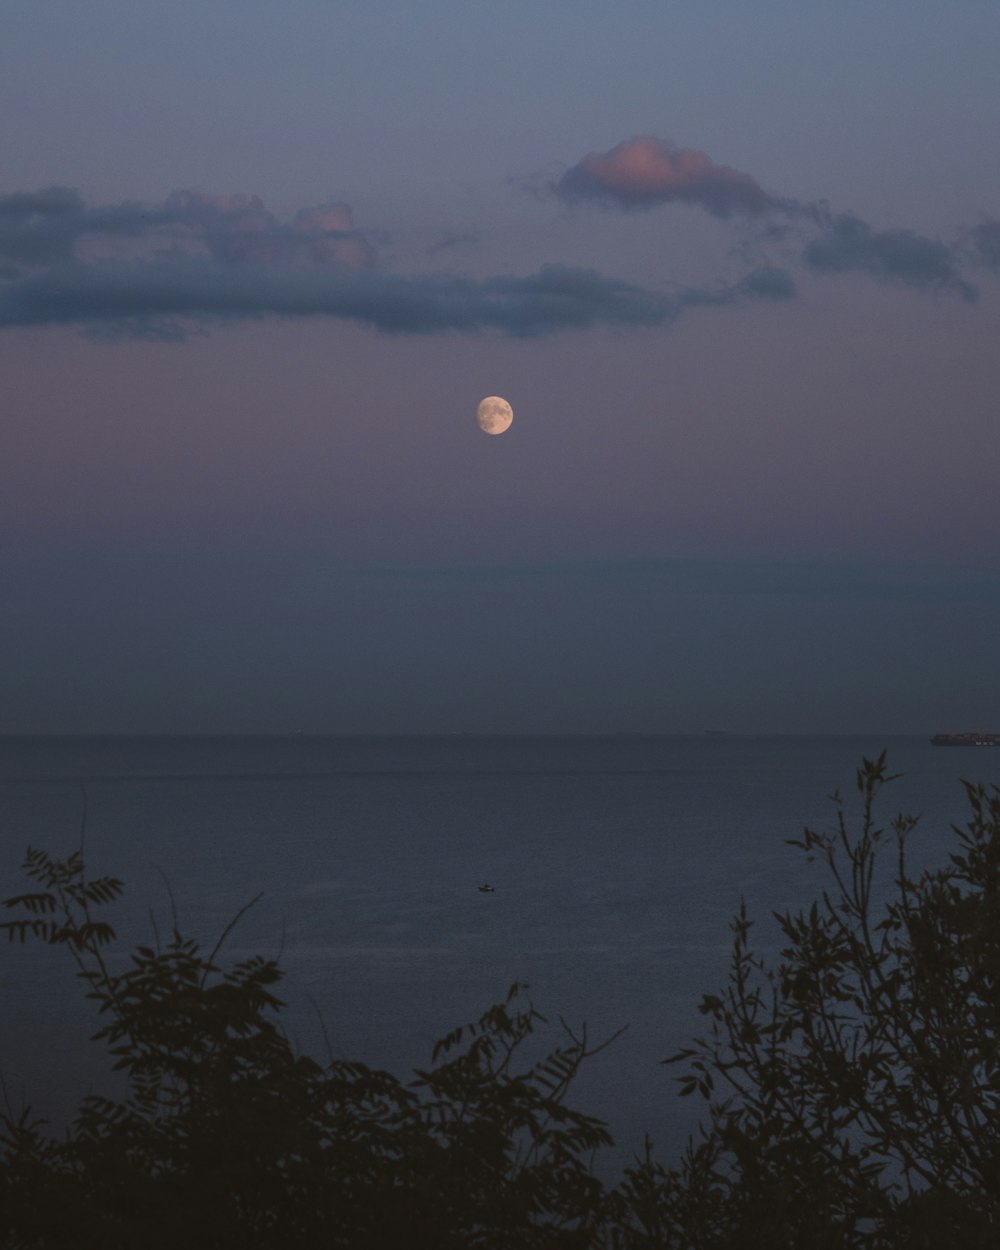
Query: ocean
point(617, 863)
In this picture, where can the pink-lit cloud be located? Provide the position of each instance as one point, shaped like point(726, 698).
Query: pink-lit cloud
point(646, 171)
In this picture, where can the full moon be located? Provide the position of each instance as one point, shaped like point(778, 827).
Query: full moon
point(494, 415)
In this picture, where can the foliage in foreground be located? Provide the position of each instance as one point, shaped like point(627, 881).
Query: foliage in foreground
point(854, 1089)
point(226, 1137)
point(852, 1092)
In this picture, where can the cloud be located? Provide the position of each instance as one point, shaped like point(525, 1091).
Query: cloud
point(237, 229)
point(645, 171)
point(167, 270)
point(166, 297)
point(39, 227)
point(768, 282)
point(455, 238)
point(986, 243)
point(849, 244)
point(54, 226)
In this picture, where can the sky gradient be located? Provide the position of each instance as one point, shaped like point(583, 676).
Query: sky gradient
point(737, 272)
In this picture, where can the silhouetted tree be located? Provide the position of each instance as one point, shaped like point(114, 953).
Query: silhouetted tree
point(226, 1137)
point(853, 1089)
point(852, 1092)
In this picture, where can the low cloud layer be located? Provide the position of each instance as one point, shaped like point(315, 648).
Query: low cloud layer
point(168, 269)
point(644, 172)
point(165, 301)
point(162, 271)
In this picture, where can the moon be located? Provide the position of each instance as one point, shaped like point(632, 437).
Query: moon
point(494, 415)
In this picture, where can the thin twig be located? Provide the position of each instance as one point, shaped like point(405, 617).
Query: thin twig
point(228, 929)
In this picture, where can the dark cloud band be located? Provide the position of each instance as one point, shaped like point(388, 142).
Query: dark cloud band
point(849, 244)
point(163, 299)
point(53, 226)
point(162, 271)
point(158, 270)
point(986, 243)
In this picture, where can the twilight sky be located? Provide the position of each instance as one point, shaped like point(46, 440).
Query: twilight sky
point(736, 267)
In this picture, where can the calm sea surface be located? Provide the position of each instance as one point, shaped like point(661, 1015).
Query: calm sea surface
point(617, 863)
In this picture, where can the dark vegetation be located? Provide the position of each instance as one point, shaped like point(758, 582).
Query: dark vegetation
point(851, 1091)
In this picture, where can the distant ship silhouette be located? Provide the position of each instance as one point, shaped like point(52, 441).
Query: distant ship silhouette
point(974, 739)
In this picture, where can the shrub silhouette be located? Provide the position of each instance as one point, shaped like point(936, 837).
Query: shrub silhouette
point(852, 1091)
point(228, 1138)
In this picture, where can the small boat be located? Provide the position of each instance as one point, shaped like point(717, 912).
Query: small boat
point(486, 888)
